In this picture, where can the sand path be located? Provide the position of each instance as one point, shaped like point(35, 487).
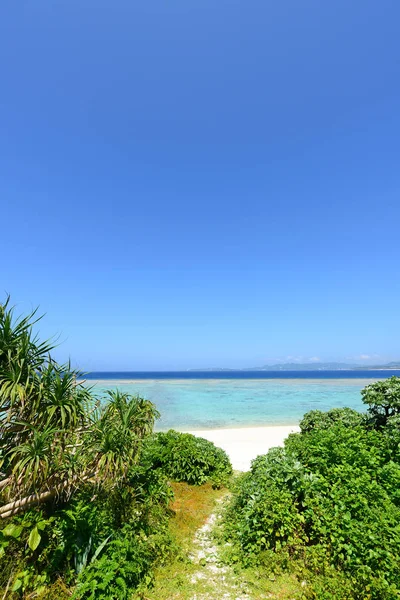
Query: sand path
point(213, 580)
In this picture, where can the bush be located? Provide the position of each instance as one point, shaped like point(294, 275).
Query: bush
point(185, 457)
point(263, 514)
point(322, 451)
point(316, 419)
point(123, 533)
point(327, 506)
point(383, 400)
point(125, 564)
point(78, 503)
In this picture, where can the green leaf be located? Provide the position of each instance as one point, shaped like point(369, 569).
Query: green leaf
point(13, 530)
point(100, 548)
point(40, 590)
point(17, 585)
point(34, 539)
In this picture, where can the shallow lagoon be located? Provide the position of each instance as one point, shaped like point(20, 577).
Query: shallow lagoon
point(191, 404)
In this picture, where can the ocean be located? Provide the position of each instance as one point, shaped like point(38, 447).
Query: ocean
point(191, 400)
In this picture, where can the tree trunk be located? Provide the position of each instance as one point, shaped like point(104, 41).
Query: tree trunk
point(13, 508)
point(4, 482)
point(17, 506)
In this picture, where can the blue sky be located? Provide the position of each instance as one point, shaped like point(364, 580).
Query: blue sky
point(194, 184)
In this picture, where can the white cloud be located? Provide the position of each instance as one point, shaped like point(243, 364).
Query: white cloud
point(372, 357)
point(296, 359)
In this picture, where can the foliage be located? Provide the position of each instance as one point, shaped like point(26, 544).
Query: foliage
point(316, 419)
point(327, 506)
point(263, 514)
point(54, 435)
point(383, 400)
point(185, 457)
point(84, 539)
point(75, 498)
point(125, 564)
point(180, 579)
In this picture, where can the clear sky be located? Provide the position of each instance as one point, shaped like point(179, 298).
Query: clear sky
point(196, 184)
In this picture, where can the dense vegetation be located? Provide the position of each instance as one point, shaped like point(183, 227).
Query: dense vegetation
point(185, 457)
point(327, 505)
point(84, 495)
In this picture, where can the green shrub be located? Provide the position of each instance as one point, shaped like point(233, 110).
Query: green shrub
point(316, 419)
point(263, 514)
point(186, 457)
point(268, 522)
point(383, 400)
point(85, 508)
point(324, 450)
point(125, 564)
point(126, 528)
point(327, 505)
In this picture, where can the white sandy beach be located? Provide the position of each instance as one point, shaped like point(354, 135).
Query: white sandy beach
point(244, 444)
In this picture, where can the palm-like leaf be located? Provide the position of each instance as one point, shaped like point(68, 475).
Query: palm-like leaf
point(64, 401)
point(53, 435)
point(117, 434)
point(33, 460)
point(21, 354)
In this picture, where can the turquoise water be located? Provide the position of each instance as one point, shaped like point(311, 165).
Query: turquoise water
point(218, 403)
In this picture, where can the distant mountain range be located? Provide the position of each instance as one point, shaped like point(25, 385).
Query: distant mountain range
point(315, 366)
point(391, 365)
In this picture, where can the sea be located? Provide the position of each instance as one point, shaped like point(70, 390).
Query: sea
point(196, 400)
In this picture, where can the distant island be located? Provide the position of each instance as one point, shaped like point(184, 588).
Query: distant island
point(315, 366)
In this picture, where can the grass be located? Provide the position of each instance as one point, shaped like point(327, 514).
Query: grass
point(184, 580)
point(261, 585)
point(179, 579)
point(192, 506)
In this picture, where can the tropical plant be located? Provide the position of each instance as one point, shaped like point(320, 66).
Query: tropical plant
point(316, 419)
point(383, 400)
point(186, 457)
point(54, 435)
point(327, 506)
point(74, 495)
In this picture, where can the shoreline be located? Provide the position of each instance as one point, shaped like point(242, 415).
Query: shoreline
point(179, 380)
point(244, 444)
point(182, 428)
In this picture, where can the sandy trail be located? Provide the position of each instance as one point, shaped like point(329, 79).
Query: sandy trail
point(213, 580)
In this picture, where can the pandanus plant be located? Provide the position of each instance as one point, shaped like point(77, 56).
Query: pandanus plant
point(55, 435)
